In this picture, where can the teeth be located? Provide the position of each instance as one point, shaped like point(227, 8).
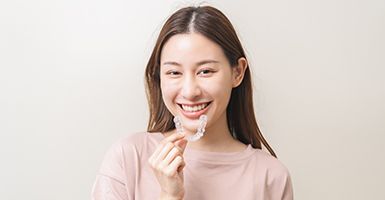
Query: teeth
point(194, 108)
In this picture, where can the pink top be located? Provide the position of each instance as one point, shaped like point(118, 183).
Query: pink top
point(249, 174)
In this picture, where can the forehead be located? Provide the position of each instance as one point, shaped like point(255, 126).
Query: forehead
point(191, 47)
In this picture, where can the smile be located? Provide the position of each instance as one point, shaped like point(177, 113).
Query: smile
point(194, 108)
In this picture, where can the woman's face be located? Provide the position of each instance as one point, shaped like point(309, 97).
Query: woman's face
point(196, 78)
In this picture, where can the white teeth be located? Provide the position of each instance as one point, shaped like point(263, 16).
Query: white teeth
point(194, 108)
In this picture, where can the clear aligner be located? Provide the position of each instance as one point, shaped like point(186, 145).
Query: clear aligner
point(178, 124)
point(200, 131)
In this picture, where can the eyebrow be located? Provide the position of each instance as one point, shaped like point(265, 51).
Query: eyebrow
point(197, 64)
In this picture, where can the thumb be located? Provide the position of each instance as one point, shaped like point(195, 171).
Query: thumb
point(181, 144)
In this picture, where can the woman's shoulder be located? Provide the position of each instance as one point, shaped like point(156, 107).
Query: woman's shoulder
point(270, 164)
point(122, 155)
point(129, 146)
point(136, 141)
point(276, 175)
point(132, 138)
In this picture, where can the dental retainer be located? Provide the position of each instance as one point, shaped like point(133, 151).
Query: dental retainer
point(200, 131)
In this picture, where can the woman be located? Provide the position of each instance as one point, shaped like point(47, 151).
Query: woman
point(198, 67)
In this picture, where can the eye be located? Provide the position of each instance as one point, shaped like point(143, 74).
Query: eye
point(205, 72)
point(173, 73)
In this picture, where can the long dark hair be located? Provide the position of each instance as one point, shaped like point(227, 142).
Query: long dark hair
point(214, 25)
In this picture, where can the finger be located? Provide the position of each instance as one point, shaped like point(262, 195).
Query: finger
point(162, 144)
point(158, 149)
point(164, 152)
point(171, 156)
point(181, 167)
point(172, 169)
point(181, 144)
point(174, 137)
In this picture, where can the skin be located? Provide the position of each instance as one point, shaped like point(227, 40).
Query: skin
point(194, 70)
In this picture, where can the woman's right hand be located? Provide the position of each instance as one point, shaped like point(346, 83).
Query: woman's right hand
point(167, 163)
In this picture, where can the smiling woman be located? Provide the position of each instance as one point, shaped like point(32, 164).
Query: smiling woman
point(197, 68)
point(201, 83)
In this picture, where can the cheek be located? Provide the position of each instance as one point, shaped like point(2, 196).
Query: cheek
point(221, 88)
point(223, 97)
point(169, 91)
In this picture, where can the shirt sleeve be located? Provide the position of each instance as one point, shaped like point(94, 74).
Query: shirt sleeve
point(287, 192)
point(281, 187)
point(107, 188)
point(112, 182)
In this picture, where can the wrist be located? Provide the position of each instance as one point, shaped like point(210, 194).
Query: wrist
point(164, 196)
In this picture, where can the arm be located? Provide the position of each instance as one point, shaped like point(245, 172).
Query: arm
point(111, 182)
point(167, 197)
point(287, 192)
point(106, 187)
point(281, 187)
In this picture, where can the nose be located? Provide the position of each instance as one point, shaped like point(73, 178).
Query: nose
point(190, 88)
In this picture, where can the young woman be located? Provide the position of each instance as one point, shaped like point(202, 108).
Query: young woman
point(198, 67)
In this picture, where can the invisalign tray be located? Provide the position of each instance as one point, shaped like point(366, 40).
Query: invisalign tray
point(200, 131)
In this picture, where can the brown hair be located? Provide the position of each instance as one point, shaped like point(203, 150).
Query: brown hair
point(214, 25)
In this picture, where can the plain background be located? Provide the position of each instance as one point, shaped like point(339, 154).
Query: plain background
point(72, 83)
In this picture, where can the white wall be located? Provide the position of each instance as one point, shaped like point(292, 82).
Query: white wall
point(71, 83)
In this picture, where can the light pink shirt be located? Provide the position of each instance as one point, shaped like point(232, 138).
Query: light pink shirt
point(250, 174)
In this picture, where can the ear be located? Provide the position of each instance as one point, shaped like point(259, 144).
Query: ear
point(239, 72)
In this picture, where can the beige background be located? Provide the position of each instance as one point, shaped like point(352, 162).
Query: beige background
point(71, 77)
